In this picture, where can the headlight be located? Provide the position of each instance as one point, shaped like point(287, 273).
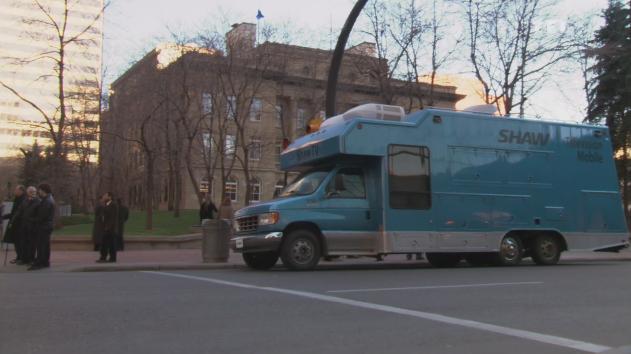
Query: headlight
point(269, 218)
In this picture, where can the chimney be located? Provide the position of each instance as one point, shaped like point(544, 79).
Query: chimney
point(241, 36)
point(364, 48)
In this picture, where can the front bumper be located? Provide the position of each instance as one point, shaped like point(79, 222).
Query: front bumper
point(269, 241)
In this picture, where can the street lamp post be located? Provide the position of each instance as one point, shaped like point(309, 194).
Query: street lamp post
point(336, 60)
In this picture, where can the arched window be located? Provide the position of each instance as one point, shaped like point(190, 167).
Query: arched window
point(280, 185)
point(232, 188)
point(255, 189)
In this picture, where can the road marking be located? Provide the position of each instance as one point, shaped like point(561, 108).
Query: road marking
point(436, 287)
point(523, 334)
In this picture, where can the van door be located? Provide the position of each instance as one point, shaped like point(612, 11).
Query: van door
point(408, 199)
point(352, 229)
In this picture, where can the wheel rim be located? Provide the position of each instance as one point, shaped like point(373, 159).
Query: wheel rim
point(510, 249)
point(548, 249)
point(302, 251)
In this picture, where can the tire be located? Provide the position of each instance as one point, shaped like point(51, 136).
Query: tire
point(479, 259)
point(443, 260)
point(260, 260)
point(511, 251)
point(546, 250)
point(301, 250)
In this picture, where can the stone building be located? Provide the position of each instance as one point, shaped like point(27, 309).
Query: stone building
point(208, 120)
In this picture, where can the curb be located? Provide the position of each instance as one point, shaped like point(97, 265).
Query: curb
point(151, 267)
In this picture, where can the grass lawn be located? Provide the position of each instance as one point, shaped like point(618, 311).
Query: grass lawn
point(163, 224)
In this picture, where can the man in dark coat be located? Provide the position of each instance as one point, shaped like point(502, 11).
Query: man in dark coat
point(110, 227)
point(123, 216)
point(13, 235)
point(44, 221)
point(97, 227)
point(207, 209)
point(27, 215)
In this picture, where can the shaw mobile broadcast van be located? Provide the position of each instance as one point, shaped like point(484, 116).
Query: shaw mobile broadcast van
point(453, 185)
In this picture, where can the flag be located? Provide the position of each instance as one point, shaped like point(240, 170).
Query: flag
point(259, 15)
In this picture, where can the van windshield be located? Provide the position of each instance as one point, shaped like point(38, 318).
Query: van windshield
point(305, 184)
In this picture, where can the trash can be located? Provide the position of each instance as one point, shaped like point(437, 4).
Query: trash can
point(215, 240)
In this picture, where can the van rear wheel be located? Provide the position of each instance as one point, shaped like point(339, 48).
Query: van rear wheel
point(260, 260)
point(443, 260)
point(511, 251)
point(301, 250)
point(546, 250)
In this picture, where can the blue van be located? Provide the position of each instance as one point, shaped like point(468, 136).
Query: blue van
point(453, 185)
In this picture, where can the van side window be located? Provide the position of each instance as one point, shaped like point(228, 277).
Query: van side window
point(408, 169)
point(347, 183)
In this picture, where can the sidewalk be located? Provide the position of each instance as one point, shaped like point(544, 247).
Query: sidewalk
point(189, 259)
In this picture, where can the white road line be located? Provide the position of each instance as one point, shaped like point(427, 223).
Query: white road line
point(534, 336)
point(430, 287)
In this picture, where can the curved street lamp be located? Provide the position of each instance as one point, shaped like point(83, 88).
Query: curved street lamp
point(336, 60)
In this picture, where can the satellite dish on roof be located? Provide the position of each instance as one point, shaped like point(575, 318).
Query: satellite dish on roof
point(483, 108)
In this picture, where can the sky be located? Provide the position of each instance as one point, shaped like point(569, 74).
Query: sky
point(134, 27)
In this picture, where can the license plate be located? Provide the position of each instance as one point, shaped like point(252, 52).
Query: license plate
point(239, 242)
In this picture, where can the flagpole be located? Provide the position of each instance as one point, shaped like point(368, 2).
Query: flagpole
point(259, 16)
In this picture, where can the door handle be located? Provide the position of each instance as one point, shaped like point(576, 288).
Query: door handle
point(367, 214)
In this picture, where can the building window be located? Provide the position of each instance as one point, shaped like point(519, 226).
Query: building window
point(231, 188)
point(409, 177)
point(230, 146)
point(231, 107)
point(278, 109)
point(256, 110)
point(255, 150)
point(255, 190)
point(301, 118)
point(207, 103)
point(278, 188)
point(208, 141)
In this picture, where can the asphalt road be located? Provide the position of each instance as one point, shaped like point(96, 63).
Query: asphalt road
point(569, 308)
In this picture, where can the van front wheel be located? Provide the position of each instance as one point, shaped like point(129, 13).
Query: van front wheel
point(301, 250)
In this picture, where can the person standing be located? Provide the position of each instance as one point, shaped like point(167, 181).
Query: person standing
point(44, 221)
point(207, 209)
point(123, 216)
point(110, 227)
point(27, 216)
point(97, 227)
point(12, 235)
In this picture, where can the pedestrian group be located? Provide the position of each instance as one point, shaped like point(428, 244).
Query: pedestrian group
point(30, 225)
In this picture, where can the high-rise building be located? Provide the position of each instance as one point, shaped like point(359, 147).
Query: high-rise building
point(29, 54)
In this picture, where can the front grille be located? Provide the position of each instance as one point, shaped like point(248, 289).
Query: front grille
point(248, 223)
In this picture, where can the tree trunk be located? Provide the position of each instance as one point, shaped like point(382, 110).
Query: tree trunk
point(149, 191)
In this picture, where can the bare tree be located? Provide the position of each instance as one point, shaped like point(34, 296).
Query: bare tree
point(511, 53)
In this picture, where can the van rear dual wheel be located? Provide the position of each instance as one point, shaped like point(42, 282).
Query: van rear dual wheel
point(546, 250)
point(511, 251)
point(301, 250)
point(260, 260)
